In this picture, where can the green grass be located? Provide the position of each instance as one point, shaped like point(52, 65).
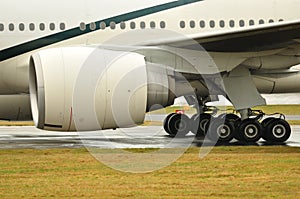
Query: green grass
point(294, 122)
point(284, 109)
point(172, 109)
point(270, 109)
point(227, 172)
point(16, 123)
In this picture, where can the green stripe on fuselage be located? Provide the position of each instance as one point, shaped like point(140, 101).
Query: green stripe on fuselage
point(71, 33)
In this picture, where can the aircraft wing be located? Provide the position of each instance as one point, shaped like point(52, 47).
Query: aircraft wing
point(166, 62)
point(252, 39)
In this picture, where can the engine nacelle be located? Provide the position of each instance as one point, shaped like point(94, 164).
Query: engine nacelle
point(88, 88)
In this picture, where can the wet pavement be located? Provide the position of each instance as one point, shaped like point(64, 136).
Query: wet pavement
point(137, 137)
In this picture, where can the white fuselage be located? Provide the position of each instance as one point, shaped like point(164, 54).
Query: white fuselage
point(29, 20)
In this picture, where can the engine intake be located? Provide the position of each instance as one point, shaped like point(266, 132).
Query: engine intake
point(89, 88)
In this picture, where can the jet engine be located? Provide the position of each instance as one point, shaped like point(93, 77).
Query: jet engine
point(91, 88)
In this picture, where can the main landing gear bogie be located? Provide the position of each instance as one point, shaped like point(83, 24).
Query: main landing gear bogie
point(226, 127)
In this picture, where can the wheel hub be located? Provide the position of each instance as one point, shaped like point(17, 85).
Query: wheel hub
point(279, 131)
point(251, 131)
point(223, 131)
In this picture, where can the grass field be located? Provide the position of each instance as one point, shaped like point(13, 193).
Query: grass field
point(16, 123)
point(227, 172)
point(270, 109)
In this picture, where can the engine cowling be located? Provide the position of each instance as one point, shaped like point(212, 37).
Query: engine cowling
point(89, 88)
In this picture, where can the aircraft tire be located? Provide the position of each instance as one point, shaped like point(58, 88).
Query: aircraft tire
point(264, 124)
point(166, 123)
point(194, 123)
point(278, 130)
point(204, 121)
point(179, 125)
point(250, 131)
point(221, 131)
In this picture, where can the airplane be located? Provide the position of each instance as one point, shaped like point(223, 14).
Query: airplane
point(94, 64)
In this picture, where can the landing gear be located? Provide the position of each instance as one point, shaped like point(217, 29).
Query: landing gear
point(250, 131)
point(225, 127)
point(276, 130)
point(200, 124)
point(221, 130)
point(177, 124)
point(166, 123)
point(232, 117)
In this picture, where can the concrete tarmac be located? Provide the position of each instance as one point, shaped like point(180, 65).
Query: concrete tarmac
point(137, 137)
